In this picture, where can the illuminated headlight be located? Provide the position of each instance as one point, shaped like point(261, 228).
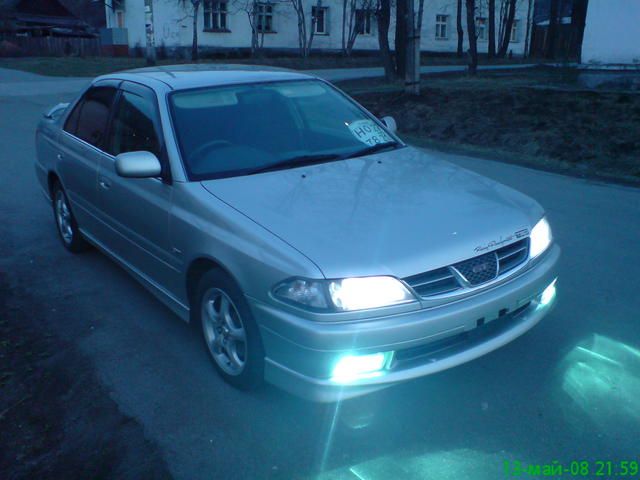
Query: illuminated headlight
point(346, 294)
point(540, 238)
point(368, 292)
point(354, 367)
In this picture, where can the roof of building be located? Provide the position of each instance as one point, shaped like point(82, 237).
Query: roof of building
point(180, 77)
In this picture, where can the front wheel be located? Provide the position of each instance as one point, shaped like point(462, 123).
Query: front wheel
point(230, 333)
point(66, 223)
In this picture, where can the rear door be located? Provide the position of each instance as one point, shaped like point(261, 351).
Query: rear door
point(137, 209)
point(80, 148)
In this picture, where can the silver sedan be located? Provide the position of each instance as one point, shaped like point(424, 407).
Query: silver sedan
point(310, 246)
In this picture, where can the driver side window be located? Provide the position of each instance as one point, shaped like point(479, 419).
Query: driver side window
point(133, 128)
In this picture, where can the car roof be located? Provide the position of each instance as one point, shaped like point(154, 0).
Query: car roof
point(179, 77)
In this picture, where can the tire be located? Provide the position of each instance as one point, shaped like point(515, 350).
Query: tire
point(66, 224)
point(230, 333)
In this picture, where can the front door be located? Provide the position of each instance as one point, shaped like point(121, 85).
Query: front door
point(136, 210)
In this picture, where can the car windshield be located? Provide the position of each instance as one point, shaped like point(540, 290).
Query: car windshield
point(252, 128)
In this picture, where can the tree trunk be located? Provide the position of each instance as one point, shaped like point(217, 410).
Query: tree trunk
point(553, 28)
point(344, 27)
point(149, 35)
point(384, 20)
point(410, 85)
point(491, 52)
point(508, 26)
point(578, 22)
point(401, 38)
point(527, 37)
point(471, 33)
point(194, 44)
point(460, 29)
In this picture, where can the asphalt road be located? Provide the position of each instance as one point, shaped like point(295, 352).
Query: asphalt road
point(568, 390)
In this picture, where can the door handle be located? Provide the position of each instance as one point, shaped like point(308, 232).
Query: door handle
point(59, 156)
point(104, 184)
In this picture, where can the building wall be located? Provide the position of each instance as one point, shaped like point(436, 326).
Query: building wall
point(612, 32)
point(173, 26)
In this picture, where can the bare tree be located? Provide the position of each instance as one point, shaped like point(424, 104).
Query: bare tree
point(250, 9)
point(460, 29)
point(471, 34)
point(412, 80)
point(554, 12)
point(195, 7)
point(305, 37)
point(491, 51)
point(149, 33)
point(354, 25)
point(383, 16)
point(509, 16)
point(527, 37)
point(401, 38)
point(578, 22)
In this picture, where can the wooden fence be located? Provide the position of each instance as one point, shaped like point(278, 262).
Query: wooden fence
point(49, 46)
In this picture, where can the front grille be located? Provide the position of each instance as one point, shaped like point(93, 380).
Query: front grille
point(434, 282)
point(475, 271)
point(478, 269)
point(511, 256)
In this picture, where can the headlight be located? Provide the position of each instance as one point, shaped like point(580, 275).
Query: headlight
point(309, 293)
point(345, 294)
point(540, 238)
point(368, 292)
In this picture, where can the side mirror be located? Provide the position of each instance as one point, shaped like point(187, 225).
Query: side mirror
point(138, 165)
point(390, 123)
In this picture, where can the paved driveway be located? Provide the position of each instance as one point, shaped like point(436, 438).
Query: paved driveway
point(568, 390)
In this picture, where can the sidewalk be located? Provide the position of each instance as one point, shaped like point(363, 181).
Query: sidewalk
point(338, 74)
point(19, 83)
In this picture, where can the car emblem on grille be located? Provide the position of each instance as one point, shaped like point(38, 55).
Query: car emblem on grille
point(480, 268)
point(477, 270)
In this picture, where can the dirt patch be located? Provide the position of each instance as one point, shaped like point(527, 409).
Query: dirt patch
point(56, 420)
point(542, 116)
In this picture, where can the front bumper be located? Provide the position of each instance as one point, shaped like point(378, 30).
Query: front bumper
point(300, 354)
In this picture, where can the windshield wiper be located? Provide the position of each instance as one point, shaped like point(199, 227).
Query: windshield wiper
point(372, 149)
point(297, 162)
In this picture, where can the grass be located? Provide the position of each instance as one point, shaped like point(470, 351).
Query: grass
point(542, 118)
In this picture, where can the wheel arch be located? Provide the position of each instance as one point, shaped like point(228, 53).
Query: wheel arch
point(52, 179)
point(197, 268)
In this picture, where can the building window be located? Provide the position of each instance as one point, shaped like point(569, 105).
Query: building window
point(119, 18)
point(320, 14)
point(264, 18)
point(442, 25)
point(481, 28)
point(515, 31)
point(363, 22)
point(215, 15)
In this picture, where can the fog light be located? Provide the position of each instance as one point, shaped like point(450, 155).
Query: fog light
point(353, 367)
point(548, 294)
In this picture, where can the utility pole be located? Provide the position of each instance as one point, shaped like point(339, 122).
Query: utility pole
point(151, 42)
point(412, 75)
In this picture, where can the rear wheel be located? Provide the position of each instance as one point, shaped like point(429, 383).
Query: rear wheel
point(230, 333)
point(65, 222)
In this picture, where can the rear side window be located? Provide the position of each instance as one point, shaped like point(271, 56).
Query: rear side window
point(133, 128)
point(88, 120)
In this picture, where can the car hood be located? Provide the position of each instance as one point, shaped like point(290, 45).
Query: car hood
point(396, 213)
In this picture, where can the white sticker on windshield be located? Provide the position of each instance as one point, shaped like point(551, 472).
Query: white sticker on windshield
point(368, 132)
